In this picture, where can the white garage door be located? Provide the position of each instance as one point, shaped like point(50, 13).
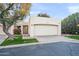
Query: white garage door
point(45, 30)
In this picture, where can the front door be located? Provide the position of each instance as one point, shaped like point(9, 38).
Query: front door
point(25, 29)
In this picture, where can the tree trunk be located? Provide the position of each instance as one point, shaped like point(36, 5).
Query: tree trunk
point(10, 36)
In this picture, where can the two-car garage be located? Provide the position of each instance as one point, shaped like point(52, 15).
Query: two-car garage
point(45, 29)
point(42, 26)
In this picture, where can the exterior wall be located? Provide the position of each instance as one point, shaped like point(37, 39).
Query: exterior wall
point(1, 30)
point(33, 21)
point(10, 30)
point(31, 30)
point(59, 28)
point(41, 20)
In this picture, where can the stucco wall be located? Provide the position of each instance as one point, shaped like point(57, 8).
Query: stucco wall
point(11, 29)
point(36, 20)
point(1, 30)
point(42, 20)
point(59, 28)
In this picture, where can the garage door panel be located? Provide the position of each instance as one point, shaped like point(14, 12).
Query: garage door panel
point(45, 30)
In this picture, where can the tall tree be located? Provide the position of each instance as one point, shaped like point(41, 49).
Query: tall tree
point(10, 13)
point(69, 24)
point(43, 15)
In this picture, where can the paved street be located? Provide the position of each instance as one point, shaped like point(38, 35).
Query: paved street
point(49, 49)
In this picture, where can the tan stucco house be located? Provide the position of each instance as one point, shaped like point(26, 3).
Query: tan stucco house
point(36, 26)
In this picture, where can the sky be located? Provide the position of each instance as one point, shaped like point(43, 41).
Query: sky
point(55, 10)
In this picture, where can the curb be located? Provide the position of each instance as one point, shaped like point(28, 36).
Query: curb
point(20, 45)
point(29, 44)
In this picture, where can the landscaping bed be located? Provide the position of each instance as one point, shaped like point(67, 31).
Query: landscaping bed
point(18, 40)
point(73, 37)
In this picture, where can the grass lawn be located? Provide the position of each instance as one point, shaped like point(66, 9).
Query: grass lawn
point(73, 37)
point(18, 40)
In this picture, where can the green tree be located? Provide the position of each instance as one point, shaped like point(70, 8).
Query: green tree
point(43, 15)
point(69, 24)
point(10, 13)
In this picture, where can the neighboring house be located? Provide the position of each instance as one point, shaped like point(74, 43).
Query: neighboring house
point(36, 26)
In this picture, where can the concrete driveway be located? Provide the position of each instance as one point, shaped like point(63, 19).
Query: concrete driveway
point(50, 49)
point(50, 39)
